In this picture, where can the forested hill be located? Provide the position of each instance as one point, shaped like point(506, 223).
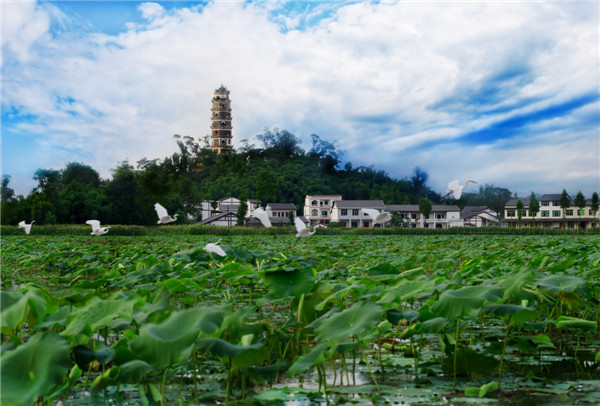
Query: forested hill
point(278, 171)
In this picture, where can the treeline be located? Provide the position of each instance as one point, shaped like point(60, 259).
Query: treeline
point(279, 170)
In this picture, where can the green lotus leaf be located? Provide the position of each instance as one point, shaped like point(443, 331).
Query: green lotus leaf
point(108, 377)
point(321, 353)
point(406, 289)
point(356, 320)
point(18, 308)
point(170, 342)
point(34, 368)
point(241, 355)
point(134, 371)
point(573, 322)
point(97, 351)
point(294, 283)
point(435, 325)
point(395, 316)
point(561, 283)
point(518, 314)
point(461, 302)
point(99, 313)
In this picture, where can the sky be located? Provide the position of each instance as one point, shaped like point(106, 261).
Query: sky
point(504, 93)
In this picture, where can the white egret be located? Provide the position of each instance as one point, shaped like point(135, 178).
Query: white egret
point(96, 229)
point(303, 230)
point(163, 215)
point(455, 189)
point(26, 226)
point(262, 215)
point(213, 247)
point(378, 218)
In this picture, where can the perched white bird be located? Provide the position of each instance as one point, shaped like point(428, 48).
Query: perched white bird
point(96, 229)
point(213, 247)
point(163, 216)
point(378, 218)
point(262, 215)
point(26, 226)
point(455, 189)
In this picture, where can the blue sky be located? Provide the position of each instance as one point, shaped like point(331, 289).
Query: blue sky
point(505, 93)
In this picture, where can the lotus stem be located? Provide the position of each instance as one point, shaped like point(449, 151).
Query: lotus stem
point(162, 391)
point(228, 390)
point(503, 350)
point(370, 370)
point(455, 353)
point(395, 335)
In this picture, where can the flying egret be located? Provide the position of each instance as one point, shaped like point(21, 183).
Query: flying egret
point(378, 218)
point(163, 216)
point(303, 230)
point(213, 247)
point(26, 226)
point(455, 189)
point(262, 215)
point(96, 229)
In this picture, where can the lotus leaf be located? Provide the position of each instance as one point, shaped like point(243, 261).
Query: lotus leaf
point(34, 368)
point(294, 283)
point(561, 283)
point(461, 302)
point(356, 320)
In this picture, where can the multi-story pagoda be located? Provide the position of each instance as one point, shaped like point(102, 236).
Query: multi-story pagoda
point(220, 138)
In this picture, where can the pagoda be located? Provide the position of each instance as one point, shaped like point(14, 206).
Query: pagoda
point(220, 138)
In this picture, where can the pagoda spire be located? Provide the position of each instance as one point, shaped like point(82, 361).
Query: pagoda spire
point(220, 138)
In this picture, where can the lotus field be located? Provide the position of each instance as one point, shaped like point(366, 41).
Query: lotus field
point(416, 320)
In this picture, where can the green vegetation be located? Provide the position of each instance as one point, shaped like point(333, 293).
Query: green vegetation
point(363, 319)
point(278, 171)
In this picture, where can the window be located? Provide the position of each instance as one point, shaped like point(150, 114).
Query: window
point(413, 216)
point(545, 213)
point(569, 212)
point(545, 204)
point(581, 212)
point(314, 213)
point(591, 212)
point(355, 212)
point(523, 213)
point(439, 216)
point(326, 202)
point(344, 212)
point(510, 213)
point(555, 213)
point(314, 203)
point(323, 213)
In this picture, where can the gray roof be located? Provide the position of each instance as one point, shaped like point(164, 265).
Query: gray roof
point(282, 206)
point(218, 217)
point(470, 211)
point(357, 204)
point(415, 207)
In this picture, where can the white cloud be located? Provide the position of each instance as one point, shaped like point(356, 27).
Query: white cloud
point(368, 75)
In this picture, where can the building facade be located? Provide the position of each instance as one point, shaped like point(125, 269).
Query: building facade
point(350, 213)
point(441, 216)
point(317, 208)
point(280, 209)
point(221, 129)
point(550, 215)
point(479, 216)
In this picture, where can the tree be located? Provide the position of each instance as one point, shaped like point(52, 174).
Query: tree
point(7, 192)
point(424, 208)
point(595, 204)
point(291, 217)
point(580, 202)
point(266, 185)
point(564, 203)
point(520, 207)
point(242, 209)
point(534, 207)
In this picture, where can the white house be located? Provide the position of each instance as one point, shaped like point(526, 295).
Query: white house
point(317, 208)
point(441, 216)
point(231, 204)
point(478, 216)
point(551, 214)
point(349, 212)
point(280, 209)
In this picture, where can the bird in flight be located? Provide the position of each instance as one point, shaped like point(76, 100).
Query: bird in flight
point(455, 189)
point(262, 215)
point(378, 218)
point(96, 229)
point(25, 226)
point(163, 216)
point(213, 247)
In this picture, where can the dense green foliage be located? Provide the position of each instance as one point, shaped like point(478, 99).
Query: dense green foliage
point(278, 171)
point(380, 320)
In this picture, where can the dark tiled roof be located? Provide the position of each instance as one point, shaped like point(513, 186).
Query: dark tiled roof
point(415, 207)
point(470, 211)
point(282, 206)
point(353, 204)
point(218, 217)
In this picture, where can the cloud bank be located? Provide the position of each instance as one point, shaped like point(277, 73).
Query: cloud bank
point(504, 93)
